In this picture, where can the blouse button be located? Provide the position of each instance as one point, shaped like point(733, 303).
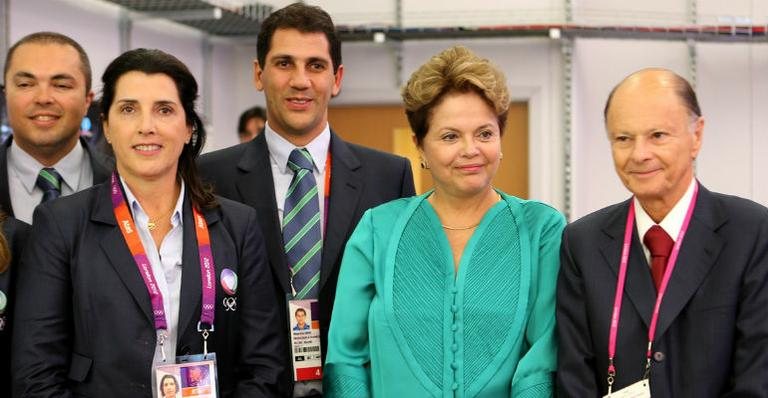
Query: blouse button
point(454, 366)
point(454, 308)
point(455, 386)
point(454, 347)
point(454, 327)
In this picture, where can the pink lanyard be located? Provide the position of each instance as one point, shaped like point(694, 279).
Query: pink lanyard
point(662, 289)
point(128, 228)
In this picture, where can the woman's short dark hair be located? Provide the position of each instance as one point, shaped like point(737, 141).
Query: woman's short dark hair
point(151, 61)
point(456, 69)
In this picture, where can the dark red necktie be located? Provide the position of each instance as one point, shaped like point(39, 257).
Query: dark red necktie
point(660, 245)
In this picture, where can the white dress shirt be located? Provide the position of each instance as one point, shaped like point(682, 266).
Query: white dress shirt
point(279, 151)
point(74, 168)
point(671, 223)
point(166, 265)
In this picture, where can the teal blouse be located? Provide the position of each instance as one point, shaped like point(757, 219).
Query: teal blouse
point(405, 324)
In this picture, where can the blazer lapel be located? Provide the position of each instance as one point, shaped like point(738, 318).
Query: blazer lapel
point(257, 189)
point(101, 164)
point(638, 286)
point(5, 195)
point(700, 248)
point(114, 246)
point(346, 188)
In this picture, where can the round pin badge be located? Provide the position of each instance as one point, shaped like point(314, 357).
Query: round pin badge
point(229, 281)
point(3, 302)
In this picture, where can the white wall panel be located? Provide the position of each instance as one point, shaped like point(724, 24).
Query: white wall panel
point(600, 64)
point(95, 28)
point(725, 94)
point(759, 127)
point(636, 13)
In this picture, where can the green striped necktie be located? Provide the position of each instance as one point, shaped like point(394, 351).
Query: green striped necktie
point(301, 226)
point(49, 181)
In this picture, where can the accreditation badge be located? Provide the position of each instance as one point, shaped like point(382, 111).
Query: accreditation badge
point(641, 389)
point(305, 339)
point(191, 376)
point(3, 304)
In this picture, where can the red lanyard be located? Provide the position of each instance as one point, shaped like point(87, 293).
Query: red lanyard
point(662, 288)
point(207, 268)
point(327, 189)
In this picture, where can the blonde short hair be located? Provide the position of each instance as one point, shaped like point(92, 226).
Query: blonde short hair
point(456, 69)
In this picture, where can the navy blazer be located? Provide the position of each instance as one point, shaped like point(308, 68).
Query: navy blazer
point(101, 164)
point(84, 324)
point(15, 233)
point(712, 333)
point(361, 178)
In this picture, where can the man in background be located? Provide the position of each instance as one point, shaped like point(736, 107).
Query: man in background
point(251, 122)
point(47, 92)
point(677, 265)
point(309, 186)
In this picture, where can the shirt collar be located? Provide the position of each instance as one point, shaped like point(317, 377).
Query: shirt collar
point(280, 148)
point(672, 222)
point(27, 167)
point(138, 211)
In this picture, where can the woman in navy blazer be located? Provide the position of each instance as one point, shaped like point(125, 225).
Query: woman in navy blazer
point(12, 239)
point(87, 317)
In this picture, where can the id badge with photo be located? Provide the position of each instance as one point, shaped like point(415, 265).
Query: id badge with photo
point(641, 389)
point(305, 339)
point(191, 376)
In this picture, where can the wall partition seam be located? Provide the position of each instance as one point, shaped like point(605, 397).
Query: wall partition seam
point(567, 52)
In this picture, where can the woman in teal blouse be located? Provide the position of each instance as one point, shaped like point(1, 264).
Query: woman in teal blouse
point(450, 293)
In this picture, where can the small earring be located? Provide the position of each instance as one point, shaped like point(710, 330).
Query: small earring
point(424, 164)
point(501, 155)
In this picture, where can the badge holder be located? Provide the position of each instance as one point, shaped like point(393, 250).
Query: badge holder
point(194, 375)
point(306, 352)
point(641, 389)
point(3, 304)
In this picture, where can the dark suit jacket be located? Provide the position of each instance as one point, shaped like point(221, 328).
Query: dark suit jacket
point(101, 164)
point(16, 233)
point(712, 334)
point(361, 178)
point(84, 324)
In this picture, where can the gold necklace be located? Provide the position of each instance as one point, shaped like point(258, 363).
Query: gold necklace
point(152, 222)
point(459, 228)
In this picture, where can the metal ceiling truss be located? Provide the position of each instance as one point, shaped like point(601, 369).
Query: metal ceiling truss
point(217, 21)
point(245, 21)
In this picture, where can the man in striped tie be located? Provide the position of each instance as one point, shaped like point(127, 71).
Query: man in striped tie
point(48, 92)
point(309, 187)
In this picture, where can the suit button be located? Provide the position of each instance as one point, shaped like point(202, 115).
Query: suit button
point(658, 356)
